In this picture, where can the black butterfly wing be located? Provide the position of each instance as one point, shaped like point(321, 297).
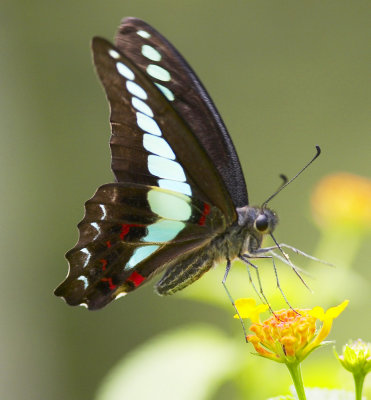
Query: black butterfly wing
point(163, 64)
point(128, 234)
point(150, 143)
point(154, 151)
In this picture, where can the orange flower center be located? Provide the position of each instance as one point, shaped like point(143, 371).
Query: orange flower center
point(286, 332)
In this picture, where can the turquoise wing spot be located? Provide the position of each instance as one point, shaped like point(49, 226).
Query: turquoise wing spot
point(180, 187)
point(139, 255)
point(136, 90)
point(158, 145)
point(166, 92)
point(163, 230)
point(164, 168)
point(141, 106)
point(148, 124)
point(151, 53)
point(169, 206)
point(144, 34)
point(125, 71)
point(158, 72)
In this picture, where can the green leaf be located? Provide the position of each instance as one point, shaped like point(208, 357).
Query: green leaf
point(187, 364)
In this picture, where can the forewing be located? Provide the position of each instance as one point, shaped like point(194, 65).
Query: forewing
point(162, 63)
point(150, 142)
point(129, 233)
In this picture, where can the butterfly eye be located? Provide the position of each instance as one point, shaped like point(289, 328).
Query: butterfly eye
point(261, 223)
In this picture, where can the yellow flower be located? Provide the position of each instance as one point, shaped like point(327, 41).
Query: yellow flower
point(288, 336)
point(247, 308)
point(343, 200)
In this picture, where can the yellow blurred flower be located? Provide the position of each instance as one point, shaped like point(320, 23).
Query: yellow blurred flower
point(343, 199)
point(288, 336)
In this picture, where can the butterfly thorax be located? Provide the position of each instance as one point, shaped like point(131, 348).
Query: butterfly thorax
point(245, 236)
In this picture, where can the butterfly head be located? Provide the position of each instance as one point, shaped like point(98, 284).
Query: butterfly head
point(260, 220)
point(255, 222)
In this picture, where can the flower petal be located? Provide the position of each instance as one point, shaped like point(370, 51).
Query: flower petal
point(247, 308)
point(334, 312)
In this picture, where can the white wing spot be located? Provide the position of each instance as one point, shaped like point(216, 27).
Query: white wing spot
point(84, 279)
point(121, 294)
point(144, 34)
point(96, 227)
point(104, 211)
point(88, 255)
point(114, 54)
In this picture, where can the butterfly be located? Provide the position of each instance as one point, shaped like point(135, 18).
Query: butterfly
point(179, 203)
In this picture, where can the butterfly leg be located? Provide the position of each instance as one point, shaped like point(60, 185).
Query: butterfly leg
point(285, 259)
point(260, 293)
point(248, 256)
point(227, 269)
point(184, 273)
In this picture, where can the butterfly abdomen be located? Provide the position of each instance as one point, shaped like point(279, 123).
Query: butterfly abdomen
point(227, 245)
point(184, 273)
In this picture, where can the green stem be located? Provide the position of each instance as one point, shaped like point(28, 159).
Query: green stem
point(295, 373)
point(358, 383)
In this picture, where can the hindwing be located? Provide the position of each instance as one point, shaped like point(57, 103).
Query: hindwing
point(130, 232)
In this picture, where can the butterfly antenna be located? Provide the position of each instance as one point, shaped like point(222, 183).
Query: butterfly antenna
point(287, 182)
point(284, 178)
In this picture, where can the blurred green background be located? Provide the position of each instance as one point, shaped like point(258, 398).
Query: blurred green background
point(285, 76)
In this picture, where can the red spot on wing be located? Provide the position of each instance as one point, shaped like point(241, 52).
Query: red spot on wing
point(124, 231)
point(125, 228)
point(109, 280)
point(205, 212)
point(136, 278)
point(108, 243)
point(104, 263)
point(110, 283)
